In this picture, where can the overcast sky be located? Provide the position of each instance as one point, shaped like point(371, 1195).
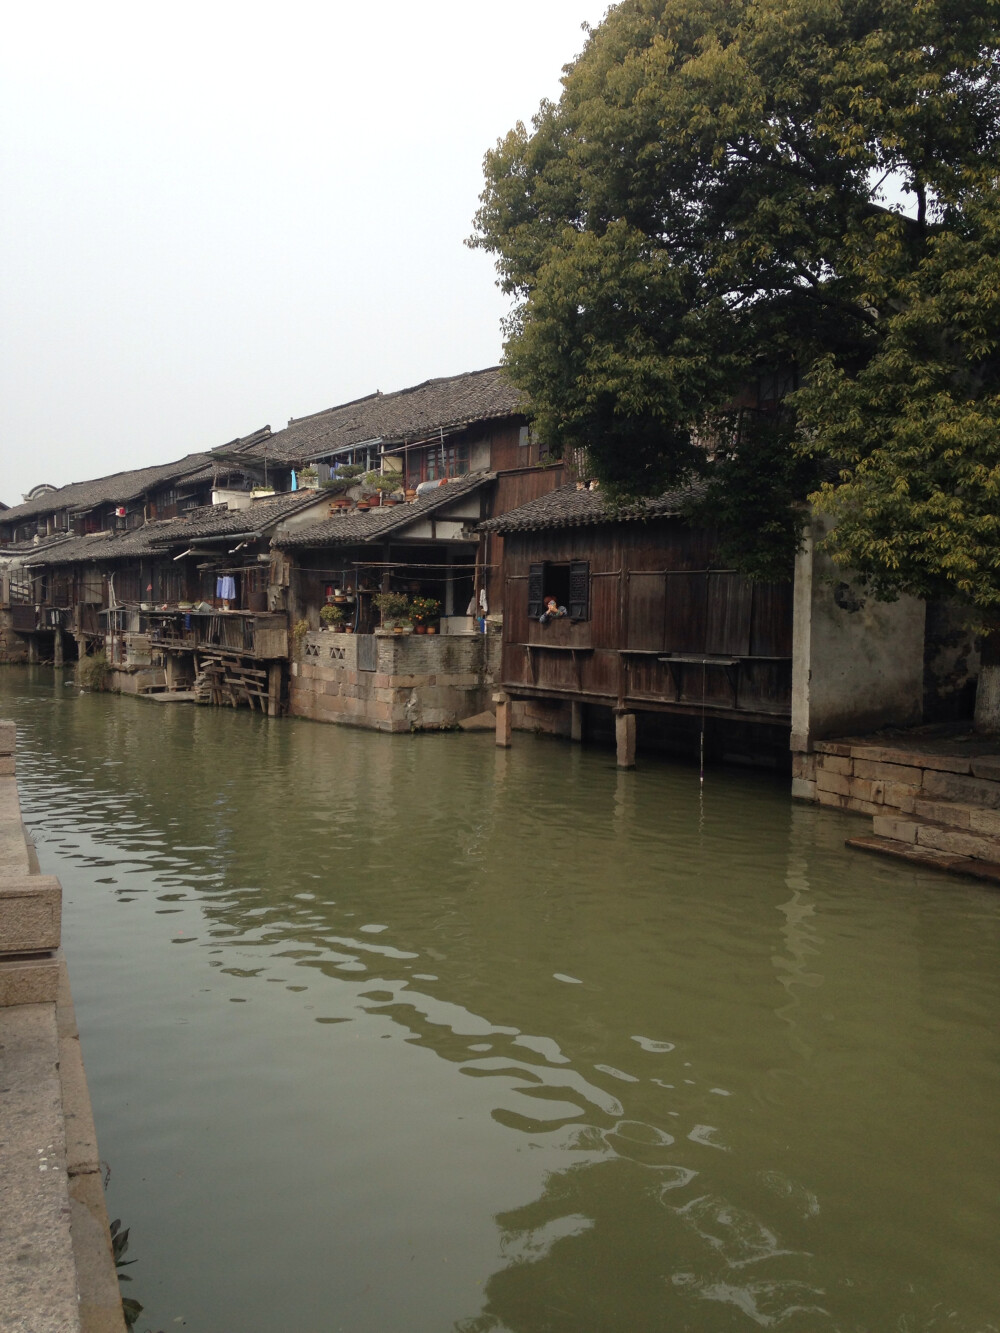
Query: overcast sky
point(216, 215)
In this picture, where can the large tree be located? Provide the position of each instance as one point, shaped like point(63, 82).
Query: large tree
point(729, 189)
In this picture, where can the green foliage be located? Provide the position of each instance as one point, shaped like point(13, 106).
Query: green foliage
point(384, 481)
point(704, 206)
point(299, 631)
point(425, 608)
point(916, 430)
point(331, 615)
point(394, 606)
point(92, 671)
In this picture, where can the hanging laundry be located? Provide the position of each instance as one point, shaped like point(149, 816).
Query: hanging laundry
point(225, 587)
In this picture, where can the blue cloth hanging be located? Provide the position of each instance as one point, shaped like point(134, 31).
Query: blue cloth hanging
point(225, 587)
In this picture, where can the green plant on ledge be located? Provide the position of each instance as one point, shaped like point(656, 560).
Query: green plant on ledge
point(425, 608)
point(299, 631)
point(331, 615)
point(384, 481)
point(394, 606)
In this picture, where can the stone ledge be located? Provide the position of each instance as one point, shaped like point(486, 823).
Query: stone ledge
point(30, 914)
point(927, 858)
point(29, 980)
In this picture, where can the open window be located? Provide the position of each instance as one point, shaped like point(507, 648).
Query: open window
point(567, 581)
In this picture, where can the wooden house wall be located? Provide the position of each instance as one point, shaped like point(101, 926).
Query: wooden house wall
point(655, 590)
point(512, 489)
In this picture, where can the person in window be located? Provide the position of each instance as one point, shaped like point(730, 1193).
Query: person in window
point(551, 610)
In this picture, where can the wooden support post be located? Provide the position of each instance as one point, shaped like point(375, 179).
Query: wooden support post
point(576, 722)
point(274, 689)
point(625, 739)
point(57, 648)
point(503, 706)
point(32, 649)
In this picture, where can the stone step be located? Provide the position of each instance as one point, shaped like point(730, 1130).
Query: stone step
point(927, 858)
point(937, 837)
point(30, 913)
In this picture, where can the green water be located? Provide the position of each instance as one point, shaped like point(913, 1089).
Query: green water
point(411, 1035)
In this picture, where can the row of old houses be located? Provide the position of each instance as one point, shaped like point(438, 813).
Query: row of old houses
point(255, 574)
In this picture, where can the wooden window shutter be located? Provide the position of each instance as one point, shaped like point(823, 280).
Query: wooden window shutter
point(579, 589)
point(536, 590)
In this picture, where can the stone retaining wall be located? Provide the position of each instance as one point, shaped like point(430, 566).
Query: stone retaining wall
point(420, 682)
point(13, 647)
point(57, 1270)
point(880, 779)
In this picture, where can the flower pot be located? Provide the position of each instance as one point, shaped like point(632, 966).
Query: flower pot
point(432, 629)
point(420, 629)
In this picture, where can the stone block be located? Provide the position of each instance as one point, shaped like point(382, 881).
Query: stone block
point(966, 790)
point(7, 765)
point(947, 812)
point(940, 763)
point(876, 754)
point(887, 772)
point(831, 798)
point(832, 747)
point(8, 737)
point(479, 722)
point(804, 766)
point(834, 782)
point(889, 826)
point(30, 914)
point(835, 763)
point(900, 795)
point(987, 766)
point(985, 821)
point(804, 789)
point(860, 807)
point(29, 980)
point(958, 841)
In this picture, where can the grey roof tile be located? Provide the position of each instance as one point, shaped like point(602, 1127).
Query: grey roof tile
point(409, 414)
point(569, 507)
point(355, 527)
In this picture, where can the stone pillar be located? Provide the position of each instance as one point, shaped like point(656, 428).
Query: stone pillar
point(576, 722)
point(170, 665)
point(625, 739)
point(32, 648)
point(57, 648)
point(81, 645)
point(503, 706)
point(274, 689)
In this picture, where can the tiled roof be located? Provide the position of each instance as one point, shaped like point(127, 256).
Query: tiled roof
point(409, 414)
point(257, 517)
point(354, 527)
point(121, 487)
point(116, 489)
point(154, 538)
point(569, 507)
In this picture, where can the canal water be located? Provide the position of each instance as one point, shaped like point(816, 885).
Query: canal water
point(411, 1035)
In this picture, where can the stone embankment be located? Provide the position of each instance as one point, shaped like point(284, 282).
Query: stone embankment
point(57, 1272)
point(933, 800)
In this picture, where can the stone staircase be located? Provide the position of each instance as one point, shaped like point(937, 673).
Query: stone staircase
point(934, 801)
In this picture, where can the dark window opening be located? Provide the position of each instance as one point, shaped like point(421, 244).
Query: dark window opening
point(568, 582)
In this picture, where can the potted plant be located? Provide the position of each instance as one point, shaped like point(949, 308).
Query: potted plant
point(331, 616)
point(308, 479)
point(424, 610)
point(395, 610)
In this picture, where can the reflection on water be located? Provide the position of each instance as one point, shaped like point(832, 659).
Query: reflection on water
point(414, 1034)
